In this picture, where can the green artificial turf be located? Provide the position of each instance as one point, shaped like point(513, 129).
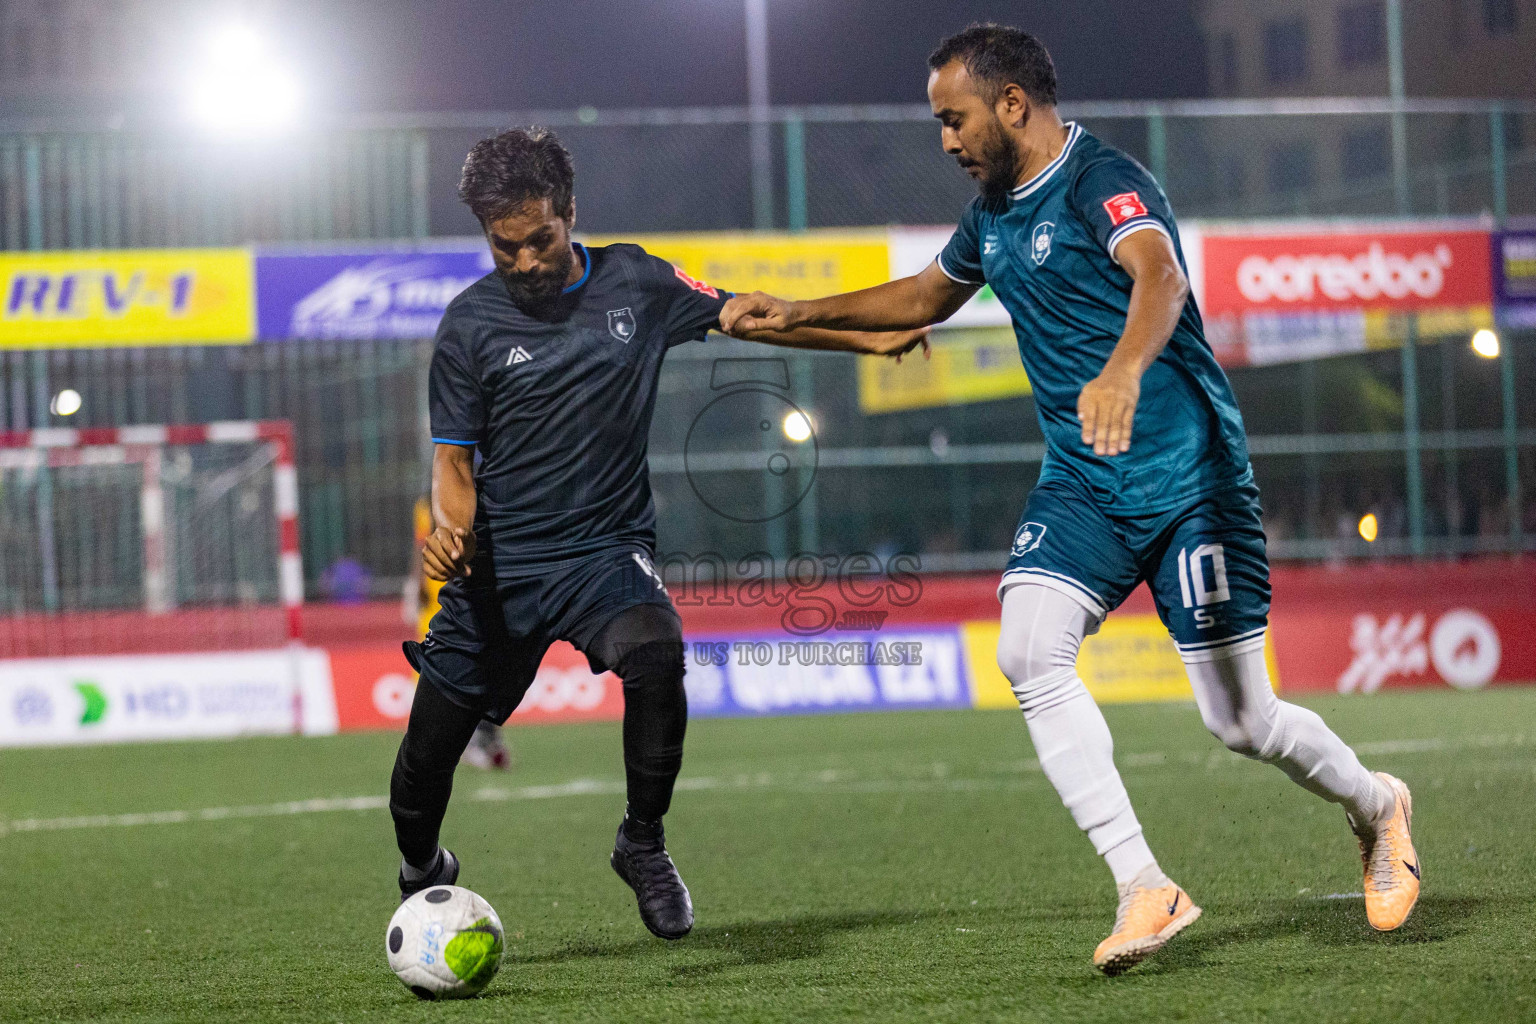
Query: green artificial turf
point(884, 867)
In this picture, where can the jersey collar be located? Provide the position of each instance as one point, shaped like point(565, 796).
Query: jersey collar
point(1051, 168)
point(586, 269)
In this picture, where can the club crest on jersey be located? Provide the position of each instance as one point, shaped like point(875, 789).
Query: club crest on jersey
point(990, 245)
point(621, 324)
point(1124, 207)
point(1029, 537)
point(1040, 242)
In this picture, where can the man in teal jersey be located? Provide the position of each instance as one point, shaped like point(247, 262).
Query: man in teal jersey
point(1145, 478)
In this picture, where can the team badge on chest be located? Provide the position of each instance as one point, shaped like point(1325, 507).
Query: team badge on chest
point(621, 324)
point(1040, 242)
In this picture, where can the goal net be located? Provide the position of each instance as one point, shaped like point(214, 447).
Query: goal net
point(148, 539)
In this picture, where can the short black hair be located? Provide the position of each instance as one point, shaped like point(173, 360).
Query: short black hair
point(997, 56)
point(513, 167)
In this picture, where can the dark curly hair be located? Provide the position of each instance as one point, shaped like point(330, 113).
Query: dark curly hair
point(998, 56)
point(508, 169)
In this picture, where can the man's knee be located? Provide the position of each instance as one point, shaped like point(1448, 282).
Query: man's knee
point(1251, 735)
point(1036, 673)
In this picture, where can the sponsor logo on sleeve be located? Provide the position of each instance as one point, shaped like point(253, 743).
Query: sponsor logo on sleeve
point(695, 284)
point(1124, 207)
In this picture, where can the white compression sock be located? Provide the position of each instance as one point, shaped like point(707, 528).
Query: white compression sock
point(1042, 629)
point(1239, 706)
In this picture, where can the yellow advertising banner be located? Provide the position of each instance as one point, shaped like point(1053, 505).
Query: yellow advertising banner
point(1130, 659)
point(799, 266)
point(127, 297)
point(975, 365)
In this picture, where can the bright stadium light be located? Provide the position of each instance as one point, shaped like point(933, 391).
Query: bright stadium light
point(1369, 527)
point(65, 403)
point(797, 427)
point(240, 88)
point(1486, 344)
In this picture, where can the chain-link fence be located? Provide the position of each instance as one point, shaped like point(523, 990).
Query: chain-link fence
point(1332, 440)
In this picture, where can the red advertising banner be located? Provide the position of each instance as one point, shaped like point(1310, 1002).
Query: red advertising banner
point(1278, 297)
point(374, 687)
point(1347, 270)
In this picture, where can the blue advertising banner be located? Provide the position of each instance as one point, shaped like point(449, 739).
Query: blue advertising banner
point(1514, 278)
point(773, 674)
point(377, 293)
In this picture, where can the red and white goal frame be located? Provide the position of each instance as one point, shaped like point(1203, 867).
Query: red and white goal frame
point(52, 447)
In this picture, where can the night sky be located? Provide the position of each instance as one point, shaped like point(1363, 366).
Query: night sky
point(481, 54)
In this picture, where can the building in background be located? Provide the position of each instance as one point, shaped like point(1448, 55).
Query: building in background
point(1343, 164)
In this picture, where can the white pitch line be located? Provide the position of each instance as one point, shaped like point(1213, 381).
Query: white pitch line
point(937, 779)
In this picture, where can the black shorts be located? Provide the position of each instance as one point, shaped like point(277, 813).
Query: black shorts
point(485, 643)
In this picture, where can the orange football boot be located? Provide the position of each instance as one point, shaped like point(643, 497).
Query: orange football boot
point(1146, 920)
point(1391, 866)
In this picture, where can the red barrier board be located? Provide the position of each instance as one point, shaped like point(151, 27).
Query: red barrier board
point(374, 687)
point(1346, 271)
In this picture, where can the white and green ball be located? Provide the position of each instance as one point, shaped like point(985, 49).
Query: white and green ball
point(445, 943)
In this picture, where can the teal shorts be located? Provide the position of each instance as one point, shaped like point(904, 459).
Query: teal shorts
point(1205, 562)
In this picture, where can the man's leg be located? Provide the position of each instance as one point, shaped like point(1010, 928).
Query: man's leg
point(1239, 706)
point(1042, 630)
point(422, 781)
point(643, 645)
point(1212, 588)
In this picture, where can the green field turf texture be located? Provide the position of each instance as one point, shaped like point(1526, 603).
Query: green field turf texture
point(882, 867)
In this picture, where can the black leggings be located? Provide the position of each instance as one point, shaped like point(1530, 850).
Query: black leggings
point(643, 645)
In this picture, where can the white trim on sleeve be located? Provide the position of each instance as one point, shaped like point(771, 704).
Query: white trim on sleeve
point(1129, 228)
point(939, 259)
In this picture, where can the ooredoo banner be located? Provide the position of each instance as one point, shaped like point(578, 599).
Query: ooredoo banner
point(1275, 297)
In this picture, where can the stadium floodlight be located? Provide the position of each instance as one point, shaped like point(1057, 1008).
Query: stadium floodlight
point(1486, 343)
point(239, 87)
point(797, 427)
point(1369, 527)
point(65, 403)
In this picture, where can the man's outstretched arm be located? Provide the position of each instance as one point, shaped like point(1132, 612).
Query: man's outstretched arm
point(873, 343)
point(1107, 404)
point(908, 303)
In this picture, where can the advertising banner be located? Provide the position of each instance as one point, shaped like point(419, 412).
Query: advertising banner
point(976, 365)
point(1514, 278)
point(376, 293)
point(1129, 660)
point(100, 299)
point(374, 689)
point(799, 266)
point(1406, 640)
point(735, 675)
point(48, 701)
point(912, 249)
point(1278, 297)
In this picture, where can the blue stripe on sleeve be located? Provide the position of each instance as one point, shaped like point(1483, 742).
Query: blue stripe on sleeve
point(461, 444)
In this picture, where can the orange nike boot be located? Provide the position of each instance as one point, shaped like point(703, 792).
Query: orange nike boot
point(1146, 920)
point(1391, 865)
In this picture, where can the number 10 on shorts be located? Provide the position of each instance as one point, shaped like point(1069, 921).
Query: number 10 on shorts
point(1193, 585)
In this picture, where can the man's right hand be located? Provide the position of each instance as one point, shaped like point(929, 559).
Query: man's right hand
point(758, 311)
point(448, 553)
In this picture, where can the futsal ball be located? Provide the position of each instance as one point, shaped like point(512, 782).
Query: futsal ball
point(444, 943)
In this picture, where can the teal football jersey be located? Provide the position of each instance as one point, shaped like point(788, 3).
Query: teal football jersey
point(1047, 251)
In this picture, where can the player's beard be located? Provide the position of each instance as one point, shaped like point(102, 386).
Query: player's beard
point(999, 164)
point(540, 288)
